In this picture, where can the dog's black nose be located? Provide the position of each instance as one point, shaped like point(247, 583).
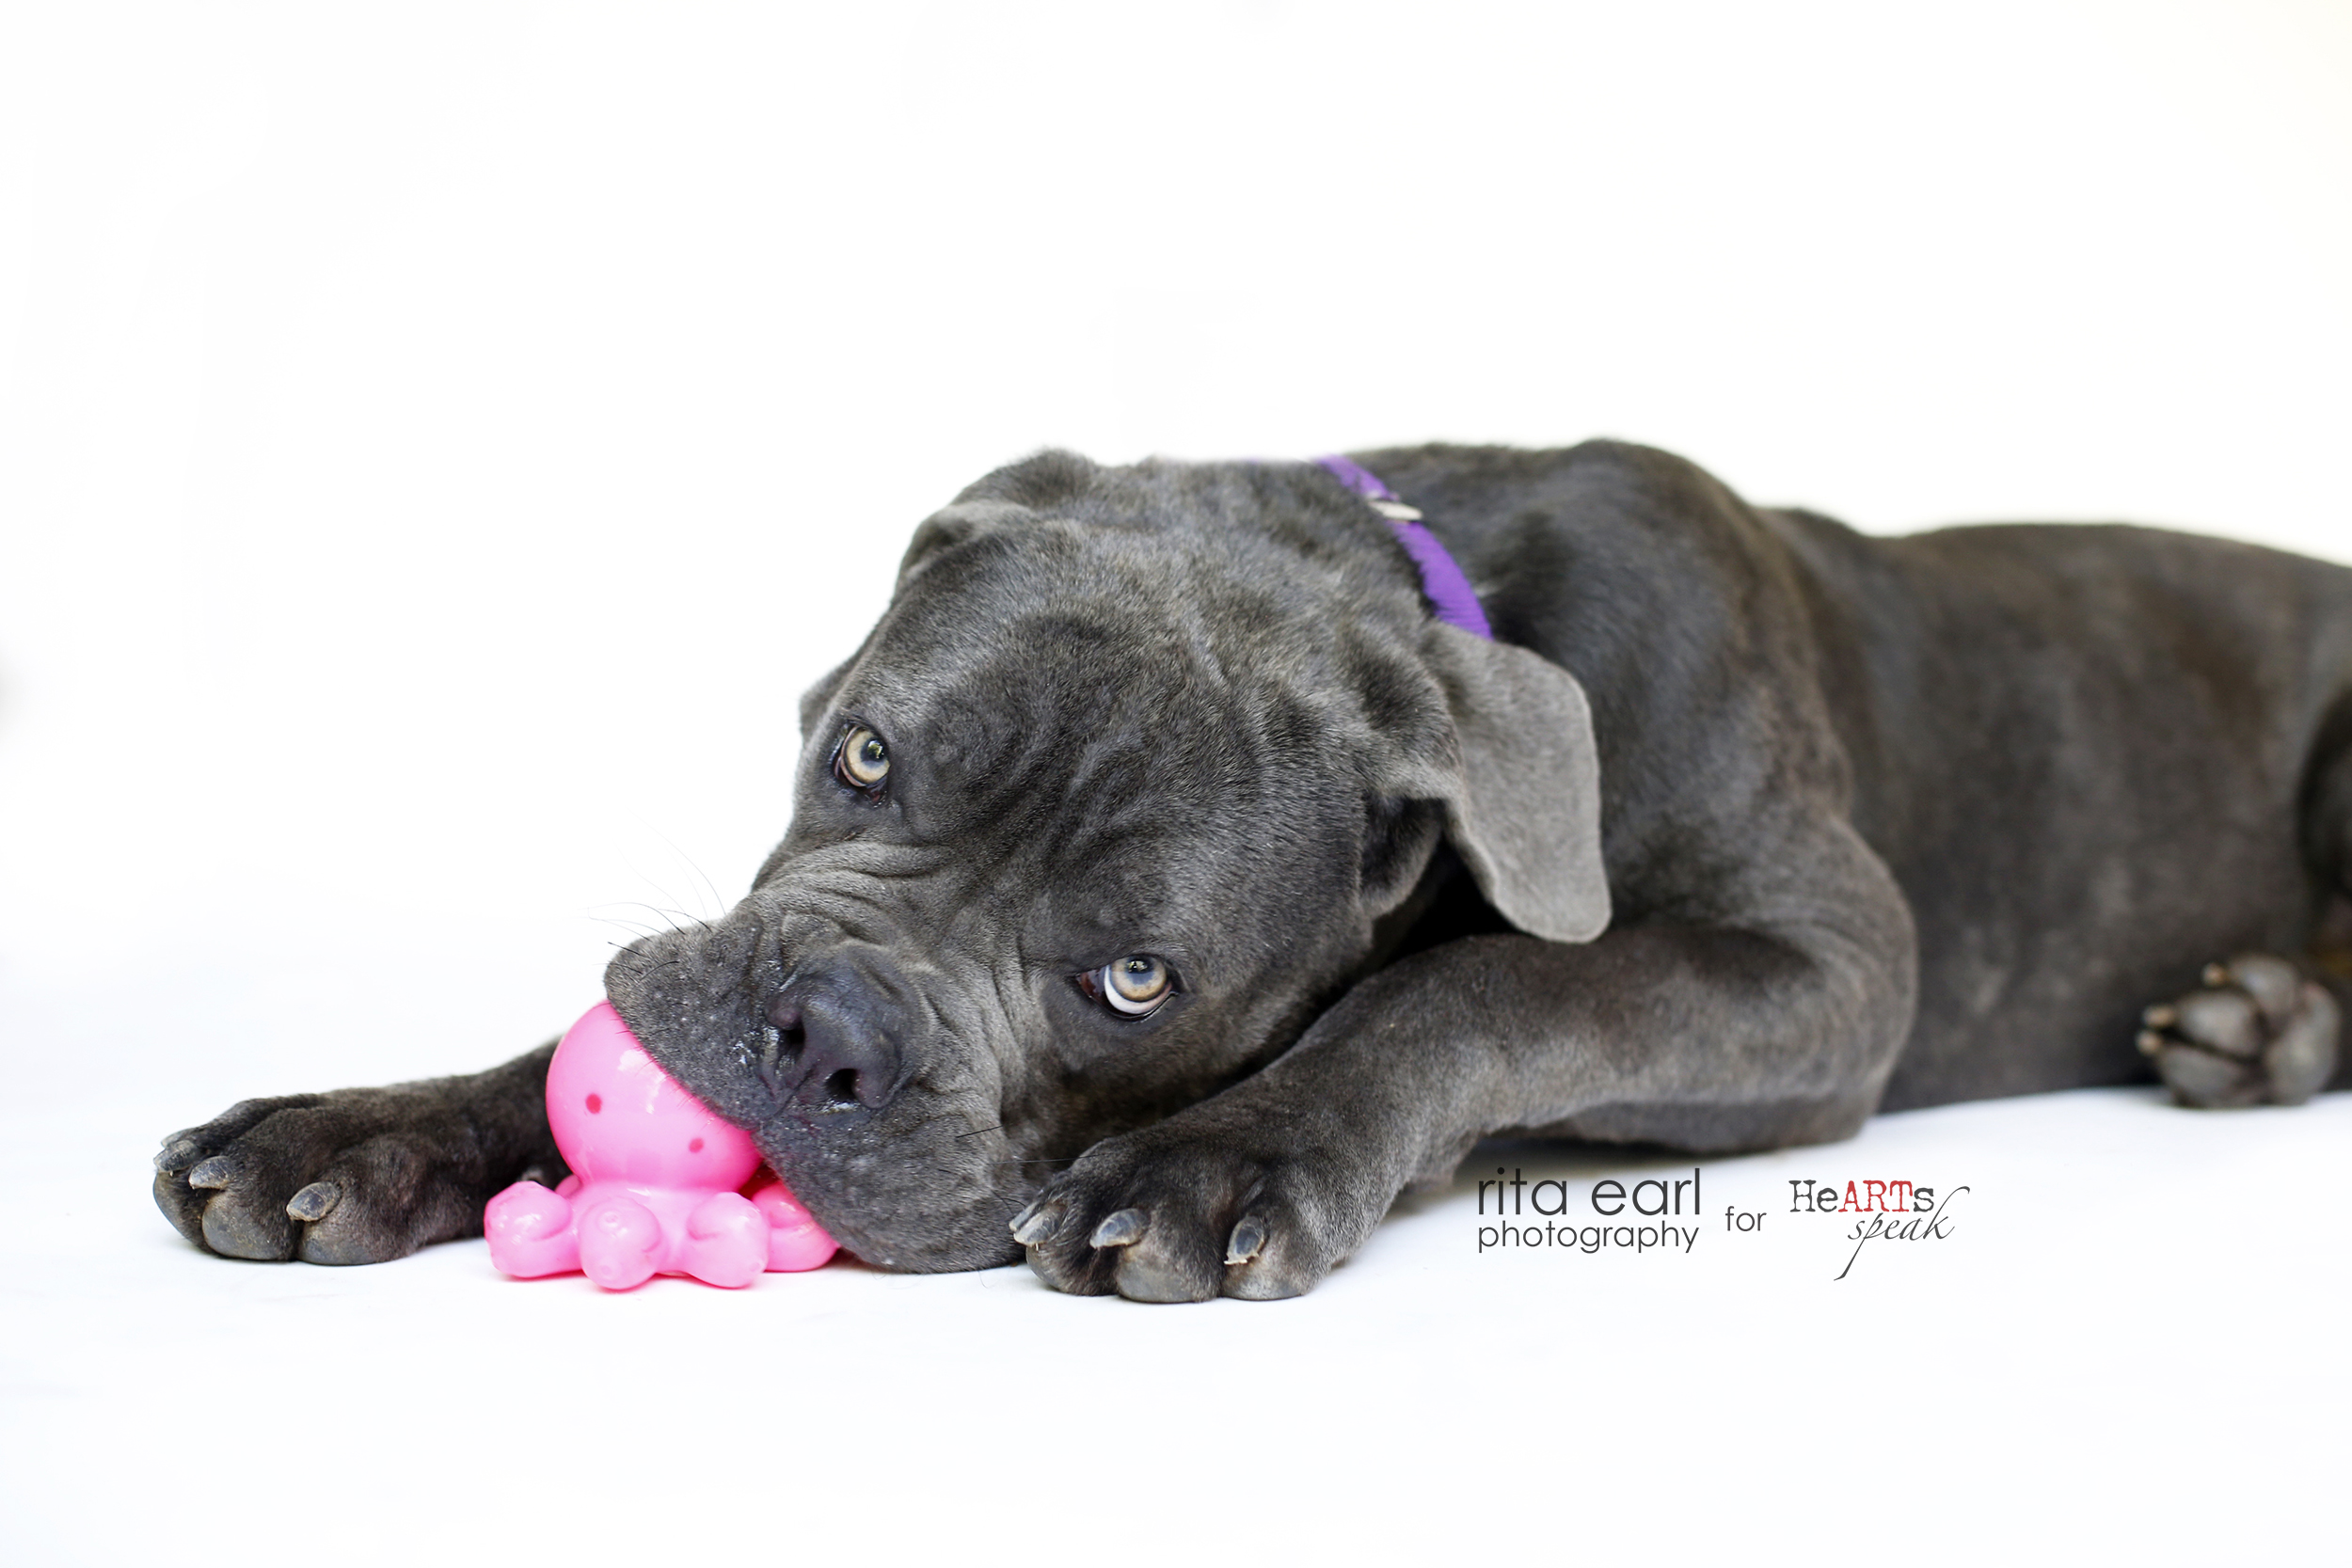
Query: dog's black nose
point(840, 1037)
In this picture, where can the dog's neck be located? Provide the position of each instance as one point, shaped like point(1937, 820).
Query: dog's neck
point(1442, 582)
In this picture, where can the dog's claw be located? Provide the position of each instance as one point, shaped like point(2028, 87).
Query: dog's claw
point(1035, 1224)
point(1123, 1228)
point(176, 1156)
point(2216, 976)
point(1248, 1241)
point(2164, 1015)
point(215, 1173)
point(314, 1202)
point(2150, 1042)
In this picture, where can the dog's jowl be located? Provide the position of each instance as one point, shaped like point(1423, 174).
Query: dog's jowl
point(1197, 856)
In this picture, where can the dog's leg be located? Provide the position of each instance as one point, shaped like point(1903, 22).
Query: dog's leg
point(1764, 1030)
point(359, 1176)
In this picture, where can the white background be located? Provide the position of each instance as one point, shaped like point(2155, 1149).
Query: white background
point(437, 443)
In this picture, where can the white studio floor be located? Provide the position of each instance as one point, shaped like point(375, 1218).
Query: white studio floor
point(2131, 1336)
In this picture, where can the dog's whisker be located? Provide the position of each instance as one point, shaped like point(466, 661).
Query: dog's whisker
point(669, 917)
point(717, 903)
point(637, 928)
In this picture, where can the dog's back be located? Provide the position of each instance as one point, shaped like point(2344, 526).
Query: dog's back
point(2096, 758)
point(2088, 753)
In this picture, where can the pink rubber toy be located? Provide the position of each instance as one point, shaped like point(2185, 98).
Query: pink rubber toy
point(655, 1182)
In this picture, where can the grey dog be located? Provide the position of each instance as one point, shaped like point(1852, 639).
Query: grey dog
point(1167, 889)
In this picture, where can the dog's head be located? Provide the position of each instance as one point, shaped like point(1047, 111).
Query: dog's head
point(1103, 813)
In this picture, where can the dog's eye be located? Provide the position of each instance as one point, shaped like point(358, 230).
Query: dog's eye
point(862, 762)
point(1134, 985)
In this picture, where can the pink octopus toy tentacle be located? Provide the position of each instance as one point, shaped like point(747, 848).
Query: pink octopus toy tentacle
point(529, 1230)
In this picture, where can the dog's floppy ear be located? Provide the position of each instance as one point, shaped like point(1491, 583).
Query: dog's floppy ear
point(959, 524)
point(1013, 495)
point(1522, 807)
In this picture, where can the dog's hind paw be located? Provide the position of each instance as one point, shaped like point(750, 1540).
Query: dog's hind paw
point(2256, 1033)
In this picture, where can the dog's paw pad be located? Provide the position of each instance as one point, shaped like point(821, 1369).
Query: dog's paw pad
point(2256, 1033)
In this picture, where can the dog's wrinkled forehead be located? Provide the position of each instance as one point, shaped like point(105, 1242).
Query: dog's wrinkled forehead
point(1140, 703)
point(1057, 668)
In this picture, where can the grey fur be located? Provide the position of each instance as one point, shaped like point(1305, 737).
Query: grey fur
point(1746, 827)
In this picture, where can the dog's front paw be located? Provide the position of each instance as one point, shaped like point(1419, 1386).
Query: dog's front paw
point(358, 1176)
point(1186, 1212)
point(2256, 1032)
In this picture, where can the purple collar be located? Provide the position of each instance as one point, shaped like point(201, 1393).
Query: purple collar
point(1449, 591)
